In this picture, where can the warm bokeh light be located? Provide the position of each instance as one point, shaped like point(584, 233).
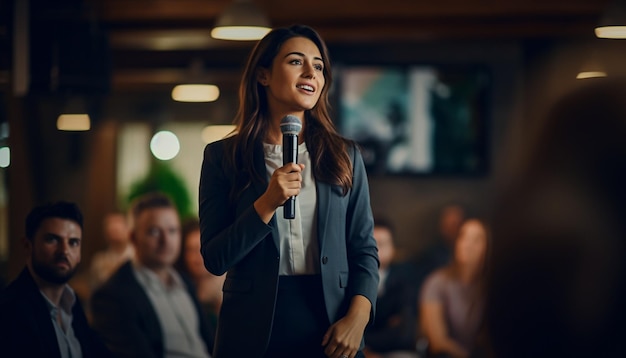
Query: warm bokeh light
point(590, 74)
point(214, 133)
point(239, 33)
point(195, 93)
point(73, 122)
point(5, 157)
point(164, 145)
point(611, 32)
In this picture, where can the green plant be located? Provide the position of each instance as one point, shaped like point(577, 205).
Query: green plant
point(162, 178)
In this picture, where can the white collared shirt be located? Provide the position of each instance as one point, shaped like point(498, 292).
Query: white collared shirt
point(299, 248)
point(69, 346)
point(176, 312)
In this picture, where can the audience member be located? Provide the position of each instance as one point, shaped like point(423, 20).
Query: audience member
point(208, 285)
point(451, 302)
point(146, 309)
point(119, 250)
point(393, 333)
point(40, 316)
point(439, 253)
point(556, 282)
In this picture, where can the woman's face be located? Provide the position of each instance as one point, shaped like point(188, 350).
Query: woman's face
point(296, 79)
point(471, 245)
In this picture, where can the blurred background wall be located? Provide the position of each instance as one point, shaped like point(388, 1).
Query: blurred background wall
point(119, 61)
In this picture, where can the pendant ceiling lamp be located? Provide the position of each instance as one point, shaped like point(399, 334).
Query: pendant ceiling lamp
point(242, 20)
point(195, 89)
point(613, 21)
point(74, 116)
point(592, 65)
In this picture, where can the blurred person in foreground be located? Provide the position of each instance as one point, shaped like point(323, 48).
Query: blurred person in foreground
point(302, 287)
point(147, 309)
point(556, 283)
point(393, 334)
point(451, 300)
point(40, 315)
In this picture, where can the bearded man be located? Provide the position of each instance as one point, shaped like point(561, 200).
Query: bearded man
point(40, 315)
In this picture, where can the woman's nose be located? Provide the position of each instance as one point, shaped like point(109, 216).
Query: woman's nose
point(309, 71)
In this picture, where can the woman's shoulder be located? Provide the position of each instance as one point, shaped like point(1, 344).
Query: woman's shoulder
point(436, 284)
point(350, 146)
point(441, 276)
point(217, 148)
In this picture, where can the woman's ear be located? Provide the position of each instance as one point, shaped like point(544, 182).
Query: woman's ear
point(262, 76)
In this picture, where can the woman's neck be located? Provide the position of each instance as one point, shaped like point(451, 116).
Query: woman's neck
point(468, 273)
point(274, 137)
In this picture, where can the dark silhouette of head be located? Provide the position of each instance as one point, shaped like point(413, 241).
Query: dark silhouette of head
point(556, 280)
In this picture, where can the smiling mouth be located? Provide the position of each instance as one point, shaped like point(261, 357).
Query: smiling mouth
point(306, 88)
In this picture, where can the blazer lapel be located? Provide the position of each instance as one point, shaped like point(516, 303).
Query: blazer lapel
point(323, 211)
point(39, 315)
point(259, 166)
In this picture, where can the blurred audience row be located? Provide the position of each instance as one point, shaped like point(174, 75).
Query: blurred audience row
point(540, 276)
point(431, 306)
point(543, 275)
point(152, 296)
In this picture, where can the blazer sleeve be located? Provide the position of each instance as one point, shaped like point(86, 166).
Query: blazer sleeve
point(229, 230)
point(361, 246)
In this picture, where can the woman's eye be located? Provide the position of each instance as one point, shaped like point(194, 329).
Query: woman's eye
point(319, 67)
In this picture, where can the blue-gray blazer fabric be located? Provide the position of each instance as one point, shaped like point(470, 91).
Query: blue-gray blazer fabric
point(235, 240)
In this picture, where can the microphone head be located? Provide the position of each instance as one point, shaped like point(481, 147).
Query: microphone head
point(290, 124)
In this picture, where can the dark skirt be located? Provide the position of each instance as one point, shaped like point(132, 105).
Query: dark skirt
point(300, 319)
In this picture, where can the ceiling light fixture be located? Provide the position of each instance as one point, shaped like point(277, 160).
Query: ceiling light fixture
point(195, 93)
point(242, 20)
point(194, 90)
point(593, 64)
point(613, 21)
point(73, 122)
point(590, 74)
point(74, 116)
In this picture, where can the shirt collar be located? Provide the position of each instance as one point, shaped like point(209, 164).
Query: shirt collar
point(276, 150)
point(150, 279)
point(68, 298)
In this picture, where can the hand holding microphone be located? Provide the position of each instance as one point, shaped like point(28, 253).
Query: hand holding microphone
point(290, 126)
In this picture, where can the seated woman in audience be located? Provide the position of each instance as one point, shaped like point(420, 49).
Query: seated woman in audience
point(208, 286)
point(451, 297)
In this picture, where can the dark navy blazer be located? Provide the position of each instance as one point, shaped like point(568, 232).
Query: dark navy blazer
point(124, 316)
point(235, 240)
point(26, 328)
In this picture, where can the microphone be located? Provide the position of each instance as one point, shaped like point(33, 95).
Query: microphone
point(290, 126)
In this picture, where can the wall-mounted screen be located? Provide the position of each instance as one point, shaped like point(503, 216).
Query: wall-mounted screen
point(417, 120)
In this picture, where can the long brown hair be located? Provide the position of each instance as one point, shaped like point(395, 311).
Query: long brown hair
point(330, 160)
point(453, 267)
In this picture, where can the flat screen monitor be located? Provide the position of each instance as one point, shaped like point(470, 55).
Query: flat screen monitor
point(416, 120)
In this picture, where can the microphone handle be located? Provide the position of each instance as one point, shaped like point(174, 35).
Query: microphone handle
point(290, 155)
